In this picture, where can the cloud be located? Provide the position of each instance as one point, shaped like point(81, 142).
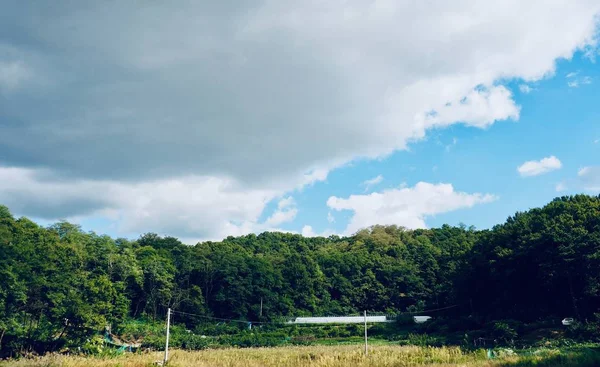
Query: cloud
point(589, 178)
point(596, 141)
point(449, 146)
point(330, 218)
point(408, 207)
point(372, 182)
point(192, 207)
point(561, 186)
point(576, 82)
point(286, 212)
point(12, 75)
point(524, 88)
point(286, 202)
point(225, 102)
point(308, 231)
point(479, 108)
point(535, 168)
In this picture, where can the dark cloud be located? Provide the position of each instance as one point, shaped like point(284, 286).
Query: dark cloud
point(131, 96)
point(142, 93)
point(51, 208)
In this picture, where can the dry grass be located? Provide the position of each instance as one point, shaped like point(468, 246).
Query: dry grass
point(314, 356)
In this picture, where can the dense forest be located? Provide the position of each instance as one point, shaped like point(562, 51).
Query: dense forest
point(60, 283)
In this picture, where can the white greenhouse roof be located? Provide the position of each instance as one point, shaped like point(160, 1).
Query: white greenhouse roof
point(339, 320)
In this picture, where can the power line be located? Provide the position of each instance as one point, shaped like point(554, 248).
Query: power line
point(219, 318)
point(431, 310)
point(275, 322)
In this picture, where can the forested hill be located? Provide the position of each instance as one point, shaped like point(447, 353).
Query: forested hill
point(539, 264)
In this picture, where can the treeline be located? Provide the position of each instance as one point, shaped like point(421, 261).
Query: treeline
point(59, 284)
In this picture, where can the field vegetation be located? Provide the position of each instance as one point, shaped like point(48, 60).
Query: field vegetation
point(64, 291)
point(329, 356)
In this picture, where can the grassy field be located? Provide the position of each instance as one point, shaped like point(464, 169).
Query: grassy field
point(326, 356)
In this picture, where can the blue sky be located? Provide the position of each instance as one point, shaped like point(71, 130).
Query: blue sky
point(555, 120)
point(280, 113)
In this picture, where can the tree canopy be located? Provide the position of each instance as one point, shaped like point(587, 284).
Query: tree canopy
point(60, 282)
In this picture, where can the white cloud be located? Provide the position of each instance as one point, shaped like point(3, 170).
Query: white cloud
point(589, 178)
point(286, 212)
point(310, 178)
point(561, 186)
point(406, 207)
point(590, 53)
point(372, 182)
point(524, 88)
point(12, 74)
point(449, 146)
point(192, 207)
point(576, 82)
point(535, 168)
point(330, 217)
point(286, 203)
point(226, 107)
point(307, 231)
point(479, 108)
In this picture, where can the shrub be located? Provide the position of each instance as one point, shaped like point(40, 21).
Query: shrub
point(219, 329)
point(422, 340)
point(303, 340)
point(248, 340)
point(94, 345)
point(404, 320)
point(196, 342)
point(588, 331)
point(156, 342)
point(503, 332)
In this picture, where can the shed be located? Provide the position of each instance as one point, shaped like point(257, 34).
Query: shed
point(421, 319)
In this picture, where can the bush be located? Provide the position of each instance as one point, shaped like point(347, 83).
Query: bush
point(303, 340)
point(404, 320)
point(156, 342)
point(584, 331)
point(462, 324)
point(96, 346)
point(254, 340)
point(423, 340)
point(196, 342)
point(220, 329)
point(542, 324)
point(93, 346)
point(503, 332)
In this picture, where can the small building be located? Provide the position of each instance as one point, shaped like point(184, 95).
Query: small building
point(339, 320)
point(421, 319)
point(568, 321)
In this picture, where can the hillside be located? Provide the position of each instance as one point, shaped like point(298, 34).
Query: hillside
point(59, 284)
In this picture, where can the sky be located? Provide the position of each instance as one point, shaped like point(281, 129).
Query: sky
point(203, 120)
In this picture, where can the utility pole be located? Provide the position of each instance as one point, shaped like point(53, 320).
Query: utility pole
point(167, 342)
point(366, 348)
